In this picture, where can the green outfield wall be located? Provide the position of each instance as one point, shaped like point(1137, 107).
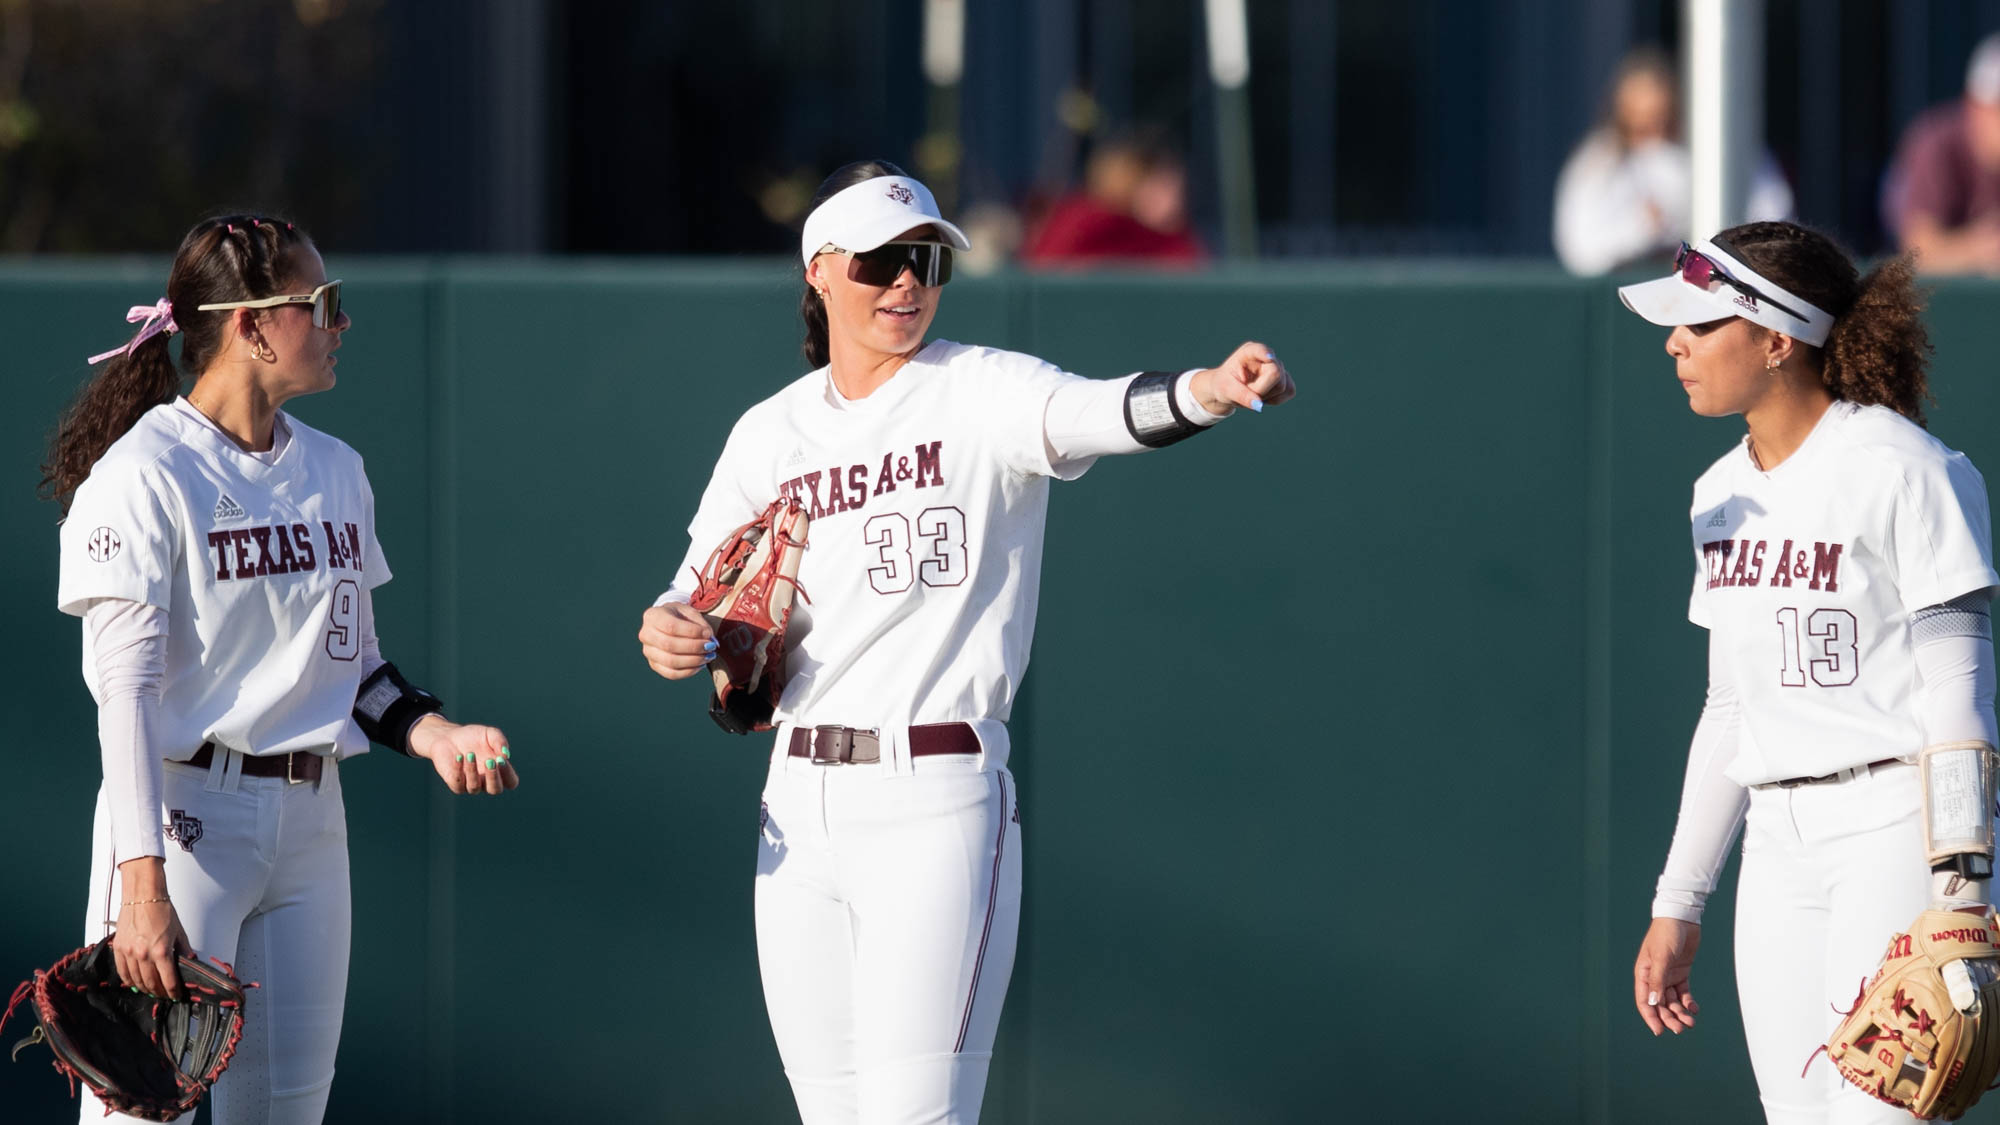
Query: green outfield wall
point(1346, 726)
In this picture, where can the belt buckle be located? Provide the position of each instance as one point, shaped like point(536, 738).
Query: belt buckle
point(291, 760)
point(841, 741)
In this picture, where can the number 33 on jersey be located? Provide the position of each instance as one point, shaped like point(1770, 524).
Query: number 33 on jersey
point(1810, 608)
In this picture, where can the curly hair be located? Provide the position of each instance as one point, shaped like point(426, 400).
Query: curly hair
point(226, 258)
point(1879, 349)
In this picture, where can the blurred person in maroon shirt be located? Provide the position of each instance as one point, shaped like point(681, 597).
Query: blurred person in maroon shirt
point(1132, 208)
point(1942, 195)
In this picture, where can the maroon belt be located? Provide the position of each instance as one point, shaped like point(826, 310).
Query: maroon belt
point(828, 746)
point(1840, 775)
point(297, 766)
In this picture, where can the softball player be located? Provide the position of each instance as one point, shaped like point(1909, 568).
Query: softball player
point(221, 555)
point(1843, 568)
point(888, 886)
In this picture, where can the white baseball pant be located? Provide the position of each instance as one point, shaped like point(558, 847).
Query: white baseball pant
point(1830, 872)
point(257, 868)
point(888, 903)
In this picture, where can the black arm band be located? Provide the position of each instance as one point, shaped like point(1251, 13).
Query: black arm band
point(388, 705)
point(1153, 413)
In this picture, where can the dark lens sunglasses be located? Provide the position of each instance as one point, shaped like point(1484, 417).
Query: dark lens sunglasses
point(880, 267)
point(1701, 271)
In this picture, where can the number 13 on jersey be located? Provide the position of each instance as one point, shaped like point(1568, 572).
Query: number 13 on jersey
point(1830, 647)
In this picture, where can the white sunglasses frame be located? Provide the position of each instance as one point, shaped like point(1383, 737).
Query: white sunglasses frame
point(316, 298)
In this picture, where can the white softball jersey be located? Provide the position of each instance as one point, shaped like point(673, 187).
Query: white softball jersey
point(1807, 576)
point(262, 570)
point(928, 500)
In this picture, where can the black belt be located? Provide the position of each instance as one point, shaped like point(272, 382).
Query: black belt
point(1837, 775)
point(297, 766)
point(834, 745)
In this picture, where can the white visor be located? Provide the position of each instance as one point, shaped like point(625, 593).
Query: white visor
point(873, 212)
point(1672, 300)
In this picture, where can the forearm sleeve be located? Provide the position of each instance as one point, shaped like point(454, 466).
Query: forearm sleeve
point(1085, 418)
point(1712, 807)
point(371, 644)
point(129, 643)
point(1954, 654)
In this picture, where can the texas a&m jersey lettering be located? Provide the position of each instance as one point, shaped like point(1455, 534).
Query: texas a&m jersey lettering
point(839, 489)
point(1747, 562)
point(257, 552)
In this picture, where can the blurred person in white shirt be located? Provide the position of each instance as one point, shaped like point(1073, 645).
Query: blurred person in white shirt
point(1623, 196)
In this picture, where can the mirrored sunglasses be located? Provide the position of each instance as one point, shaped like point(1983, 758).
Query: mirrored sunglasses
point(1701, 271)
point(325, 302)
point(880, 267)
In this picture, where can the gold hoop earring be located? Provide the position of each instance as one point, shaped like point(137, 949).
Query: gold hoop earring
point(263, 351)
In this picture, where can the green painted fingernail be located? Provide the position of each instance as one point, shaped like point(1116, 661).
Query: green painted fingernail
point(492, 762)
point(507, 754)
point(458, 757)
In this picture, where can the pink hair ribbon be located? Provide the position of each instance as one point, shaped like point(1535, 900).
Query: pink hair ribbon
point(152, 319)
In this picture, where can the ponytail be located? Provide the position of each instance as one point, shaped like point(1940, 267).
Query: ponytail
point(1878, 351)
point(128, 385)
point(813, 311)
point(226, 258)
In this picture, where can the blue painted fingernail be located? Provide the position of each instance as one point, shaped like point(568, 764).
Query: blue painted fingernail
point(709, 659)
point(709, 644)
point(1257, 404)
point(1270, 355)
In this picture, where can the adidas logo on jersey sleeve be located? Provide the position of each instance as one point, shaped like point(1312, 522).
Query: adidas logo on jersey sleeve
point(227, 509)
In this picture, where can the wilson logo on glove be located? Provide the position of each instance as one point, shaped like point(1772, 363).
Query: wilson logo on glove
point(1924, 1033)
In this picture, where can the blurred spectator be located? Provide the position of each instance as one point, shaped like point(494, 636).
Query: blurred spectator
point(1942, 195)
point(1624, 193)
point(1132, 207)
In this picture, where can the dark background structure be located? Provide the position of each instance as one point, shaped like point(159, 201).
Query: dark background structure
point(1427, 127)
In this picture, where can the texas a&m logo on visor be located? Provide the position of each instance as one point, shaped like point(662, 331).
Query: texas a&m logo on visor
point(902, 195)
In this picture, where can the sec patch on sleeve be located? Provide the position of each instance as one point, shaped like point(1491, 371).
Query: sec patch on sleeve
point(103, 545)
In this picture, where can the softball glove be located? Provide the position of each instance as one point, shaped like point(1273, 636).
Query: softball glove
point(745, 590)
point(142, 1055)
point(1924, 1033)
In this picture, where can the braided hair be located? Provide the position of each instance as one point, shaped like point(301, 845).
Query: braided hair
point(226, 258)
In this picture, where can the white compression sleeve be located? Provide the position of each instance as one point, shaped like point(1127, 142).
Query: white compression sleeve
point(1712, 806)
point(129, 641)
point(1085, 418)
point(371, 645)
point(1954, 654)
